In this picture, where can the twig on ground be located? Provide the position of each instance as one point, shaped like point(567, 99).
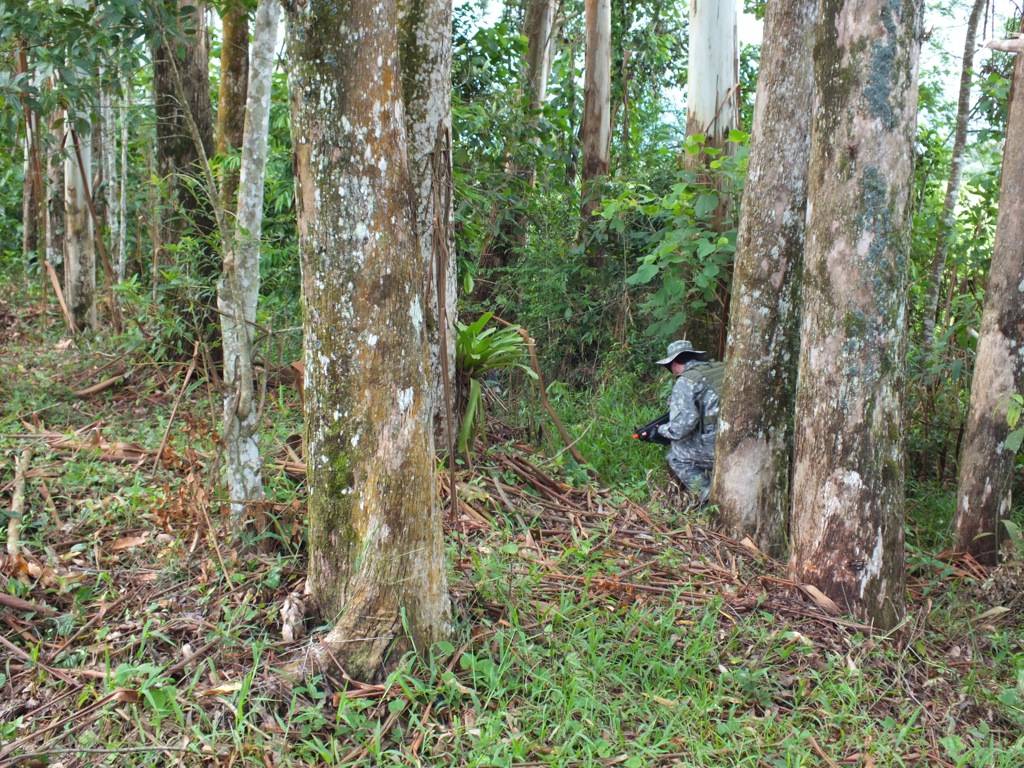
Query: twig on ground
point(18, 502)
point(102, 386)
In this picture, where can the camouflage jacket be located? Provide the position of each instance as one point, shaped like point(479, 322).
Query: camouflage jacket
point(693, 404)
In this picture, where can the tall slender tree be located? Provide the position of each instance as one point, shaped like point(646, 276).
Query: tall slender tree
point(55, 193)
point(108, 158)
point(239, 286)
point(596, 131)
point(79, 246)
point(754, 444)
point(376, 566)
point(847, 519)
point(956, 164)
point(425, 47)
point(712, 84)
point(986, 463)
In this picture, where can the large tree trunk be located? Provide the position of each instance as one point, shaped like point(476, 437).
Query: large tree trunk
point(376, 565)
point(754, 444)
point(847, 522)
point(182, 92)
point(948, 218)
point(426, 59)
point(712, 83)
point(986, 465)
point(596, 132)
point(231, 100)
point(239, 287)
point(80, 250)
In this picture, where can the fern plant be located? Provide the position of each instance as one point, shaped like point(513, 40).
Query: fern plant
point(478, 351)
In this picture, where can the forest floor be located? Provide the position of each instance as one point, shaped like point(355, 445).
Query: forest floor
point(140, 627)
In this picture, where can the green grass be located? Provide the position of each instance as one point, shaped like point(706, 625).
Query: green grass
point(547, 665)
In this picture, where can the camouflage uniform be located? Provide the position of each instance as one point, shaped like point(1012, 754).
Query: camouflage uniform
point(693, 424)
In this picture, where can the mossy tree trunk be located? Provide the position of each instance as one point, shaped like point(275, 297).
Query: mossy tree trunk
point(239, 287)
point(754, 444)
point(231, 98)
point(425, 50)
point(956, 163)
point(847, 518)
point(376, 566)
point(986, 465)
point(596, 131)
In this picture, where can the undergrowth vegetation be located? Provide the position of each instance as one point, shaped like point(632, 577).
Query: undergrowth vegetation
point(589, 629)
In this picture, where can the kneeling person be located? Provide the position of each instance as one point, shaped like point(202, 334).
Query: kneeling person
point(693, 416)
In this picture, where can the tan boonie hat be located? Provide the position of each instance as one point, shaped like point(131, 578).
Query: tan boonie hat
point(677, 348)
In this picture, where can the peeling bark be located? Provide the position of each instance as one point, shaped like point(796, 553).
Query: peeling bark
point(986, 465)
point(754, 444)
point(596, 131)
point(231, 98)
point(847, 519)
point(948, 217)
point(239, 286)
point(376, 548)
point(425, 49)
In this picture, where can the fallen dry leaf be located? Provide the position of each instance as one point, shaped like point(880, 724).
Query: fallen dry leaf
point(222, 689)
point(128, 542)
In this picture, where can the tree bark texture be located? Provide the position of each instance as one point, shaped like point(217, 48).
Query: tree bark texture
point(754, 444)
point(712, 98)
point(80, 248)
point(55, 195)
point(108, 163)
point(539, 29)
point(30, 198)
point(847, 518)
point(425, 49)
point(986, 465)
point(122, 202)
point(239, 287)
point(376, 547)
point(181, 68)
point(948, 217)
point(231, 98)
point(597, 91)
